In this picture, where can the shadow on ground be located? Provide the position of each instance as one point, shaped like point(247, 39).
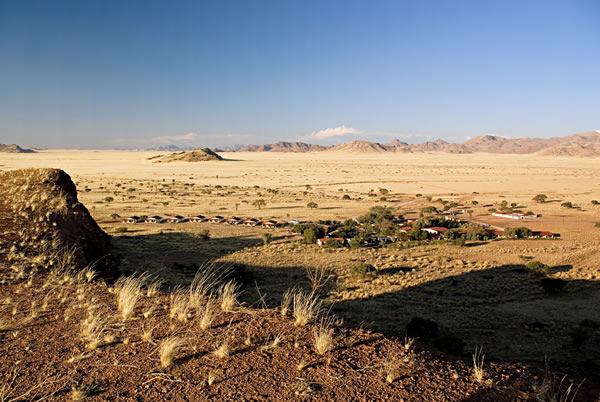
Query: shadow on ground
point(504, 309)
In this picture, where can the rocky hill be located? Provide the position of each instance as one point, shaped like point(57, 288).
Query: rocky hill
point(283, 146)
point(44, 225)
point(196, 155)
point(581, 144)
point(360, 147)
point(15, 149)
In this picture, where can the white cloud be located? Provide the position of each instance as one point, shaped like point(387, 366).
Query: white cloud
point(332, 132)
point(167, 139)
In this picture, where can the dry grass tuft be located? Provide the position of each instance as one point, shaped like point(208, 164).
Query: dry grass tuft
point(553, 390)
point(222, 352)
point(306, 307)
point(228, 294)
point(129, 291)
point(478, 359)
point(93, 328)
point(180, 306)
point(286, 301)
point(323, 336)
point(168, 348)
point(206, 280)
point(209, 313)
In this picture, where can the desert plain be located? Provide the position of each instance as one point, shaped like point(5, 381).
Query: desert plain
point(478, 292)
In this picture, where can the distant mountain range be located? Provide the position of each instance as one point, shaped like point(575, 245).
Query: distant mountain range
point(581, 144)
point(15, 149)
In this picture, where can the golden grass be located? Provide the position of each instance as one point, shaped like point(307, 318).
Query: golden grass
point(478, 359)
point(306, 306)
point(323, 336)
point(129, 292)
point(168, 349)
point(208, 314)
point(228, 294)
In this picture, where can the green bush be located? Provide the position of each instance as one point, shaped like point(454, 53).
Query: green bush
point(267, 238)
point(203, 235)
point(310, 235)
point(362, 269)
point(460, 241)
point(537, 266)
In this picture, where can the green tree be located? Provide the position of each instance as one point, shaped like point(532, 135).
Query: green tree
point(541, 198)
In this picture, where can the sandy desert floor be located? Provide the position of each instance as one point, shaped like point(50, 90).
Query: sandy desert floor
point(479, 293)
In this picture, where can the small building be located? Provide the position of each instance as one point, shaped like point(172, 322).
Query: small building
point(155, 219)
point(234, 220)
point(132, 219)
point(216, 219)
point(251, 222)
point(496, 233)
point(197, 218)
point(269, 224)
point(175, 219)
point(436, 231)
point(514, 216)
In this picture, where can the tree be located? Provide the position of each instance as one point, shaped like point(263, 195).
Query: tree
point(109, 199)
point(312, 205)
point(567, 204)
point(259, 203)
point(310, 235)
point(541, 198)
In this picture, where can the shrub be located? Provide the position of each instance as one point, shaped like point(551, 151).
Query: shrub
point(362, 269)
point(541, 198)
point(567, 204)
point(259, 203)
point(310, 235)
point(121, 229)
point(109, 199)
point(345, 197)
point(267, 238)
point(312, 205)
point(537, 266)
point(553, 285)
point(597, 224)
point(517, 233)
point(203, 234)
point(595, 202)
point(333, 243)
point(460, 241)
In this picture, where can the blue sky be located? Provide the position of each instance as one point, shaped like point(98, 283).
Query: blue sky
point(146, 73)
